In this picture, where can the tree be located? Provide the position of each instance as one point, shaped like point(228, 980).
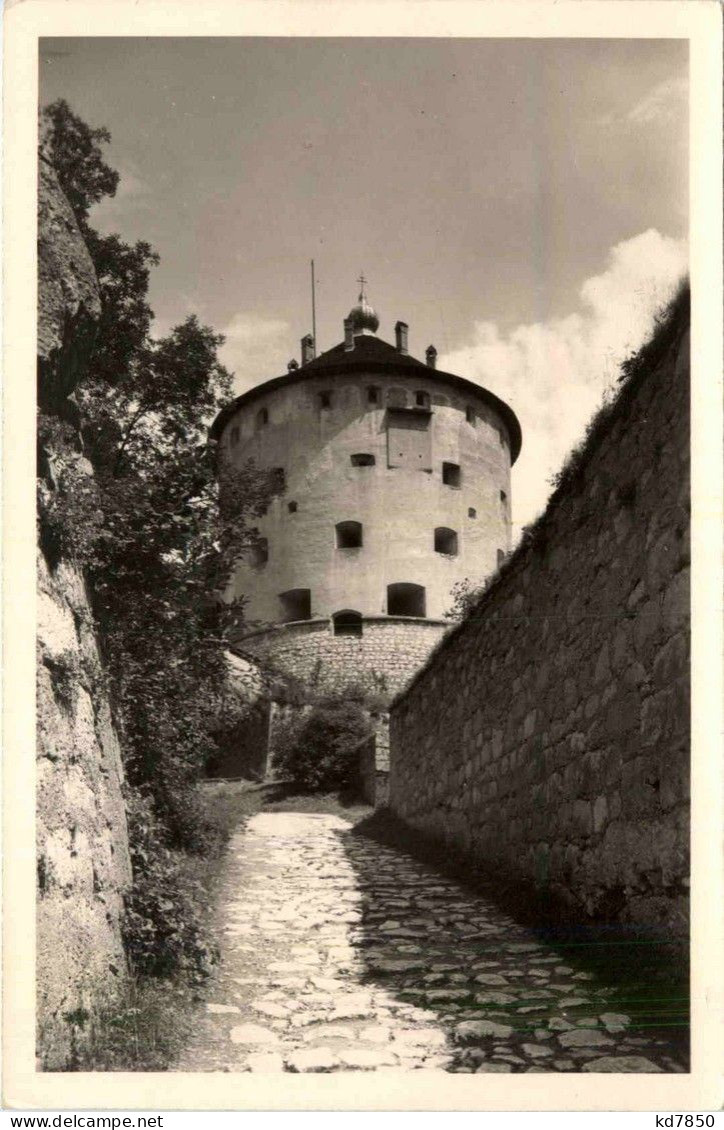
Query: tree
point(162, 542)
point(73, 147)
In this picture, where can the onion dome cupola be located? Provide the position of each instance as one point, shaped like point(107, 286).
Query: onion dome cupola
point(362, 318)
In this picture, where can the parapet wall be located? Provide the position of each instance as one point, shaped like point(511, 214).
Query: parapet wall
point(383, 658)
point(548, 735)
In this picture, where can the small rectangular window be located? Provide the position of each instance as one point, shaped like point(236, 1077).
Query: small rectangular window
point(404, 599)
point(347, 623)
point(470, 414)
point(325, 400)
point(422, 399)
point(503, 497)
point(348, 535)
point(234, 436)
point(446, 541)
point(373, 395)
point(259, 552)
point(279, 479)
point(296, 604)
point(451, 475)
point(362, 459)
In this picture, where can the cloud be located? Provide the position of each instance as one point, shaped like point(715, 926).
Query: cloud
point(555, 374)
point(255, 349)
point(664, 103)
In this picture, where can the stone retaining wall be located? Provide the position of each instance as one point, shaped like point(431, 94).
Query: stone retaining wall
point(374, 764)
point(548, 736)
point(389, 651)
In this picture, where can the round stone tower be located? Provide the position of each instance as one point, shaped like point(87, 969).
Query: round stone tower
point(394, 485)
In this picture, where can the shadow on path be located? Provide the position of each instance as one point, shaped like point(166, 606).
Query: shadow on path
point(510, 981)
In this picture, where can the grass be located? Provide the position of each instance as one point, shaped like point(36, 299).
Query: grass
point(145, 1030)
point(282, 799)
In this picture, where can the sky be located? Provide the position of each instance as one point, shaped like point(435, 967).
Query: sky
point(521, 204)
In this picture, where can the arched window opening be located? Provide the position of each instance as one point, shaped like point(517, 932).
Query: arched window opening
point(373, 395)
point(362, 459)
point(292, 507)
point(470, 414)
point(348, 535)
point(503, 497)
point(472, 512)
point(422, 399)
point(347, 623)
point(325, 399)
point(296, 604)
point(451, 475)
point(405, 599)
point(259, 552)
point(234, 438)
point(262, 417)
point(446, 541)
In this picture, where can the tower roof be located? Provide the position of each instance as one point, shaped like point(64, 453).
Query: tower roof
point(373, 355)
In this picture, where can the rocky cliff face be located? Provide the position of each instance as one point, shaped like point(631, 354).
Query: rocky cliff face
point(83, 863)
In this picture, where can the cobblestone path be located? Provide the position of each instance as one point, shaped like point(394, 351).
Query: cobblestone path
point(340, 954)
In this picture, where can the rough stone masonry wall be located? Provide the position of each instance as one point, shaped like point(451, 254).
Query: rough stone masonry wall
point(389, 651)
point(374, 763)
point(243, 740)
point(548, 736)
point(83, 864)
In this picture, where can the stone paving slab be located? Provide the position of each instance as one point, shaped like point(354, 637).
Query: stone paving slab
point(341, 954)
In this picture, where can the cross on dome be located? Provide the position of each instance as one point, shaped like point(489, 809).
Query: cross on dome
point(362, 316)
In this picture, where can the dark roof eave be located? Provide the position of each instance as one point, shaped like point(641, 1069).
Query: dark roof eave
point(372, 365)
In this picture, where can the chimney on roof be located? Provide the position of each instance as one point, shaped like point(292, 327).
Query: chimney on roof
point(307, 349)
point(431, 356)
point(401, 337)
point(348, 334)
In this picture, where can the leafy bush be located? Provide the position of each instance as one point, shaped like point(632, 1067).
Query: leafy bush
point(318, 754)
point(164, 927)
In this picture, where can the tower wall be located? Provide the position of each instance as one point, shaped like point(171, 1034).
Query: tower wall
point(399, 507)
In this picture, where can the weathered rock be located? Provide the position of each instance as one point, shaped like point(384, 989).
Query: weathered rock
point(83, 865)
point(271, 1008)
point(252, 1034)
point(615, 1021)
point(314, 1060)
point(68, 298)
point(622, 1063)
point(266, 1063)
point(477, 1029)
point(583, 1037)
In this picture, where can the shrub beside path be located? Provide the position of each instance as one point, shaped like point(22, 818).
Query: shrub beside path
point(342, 954)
